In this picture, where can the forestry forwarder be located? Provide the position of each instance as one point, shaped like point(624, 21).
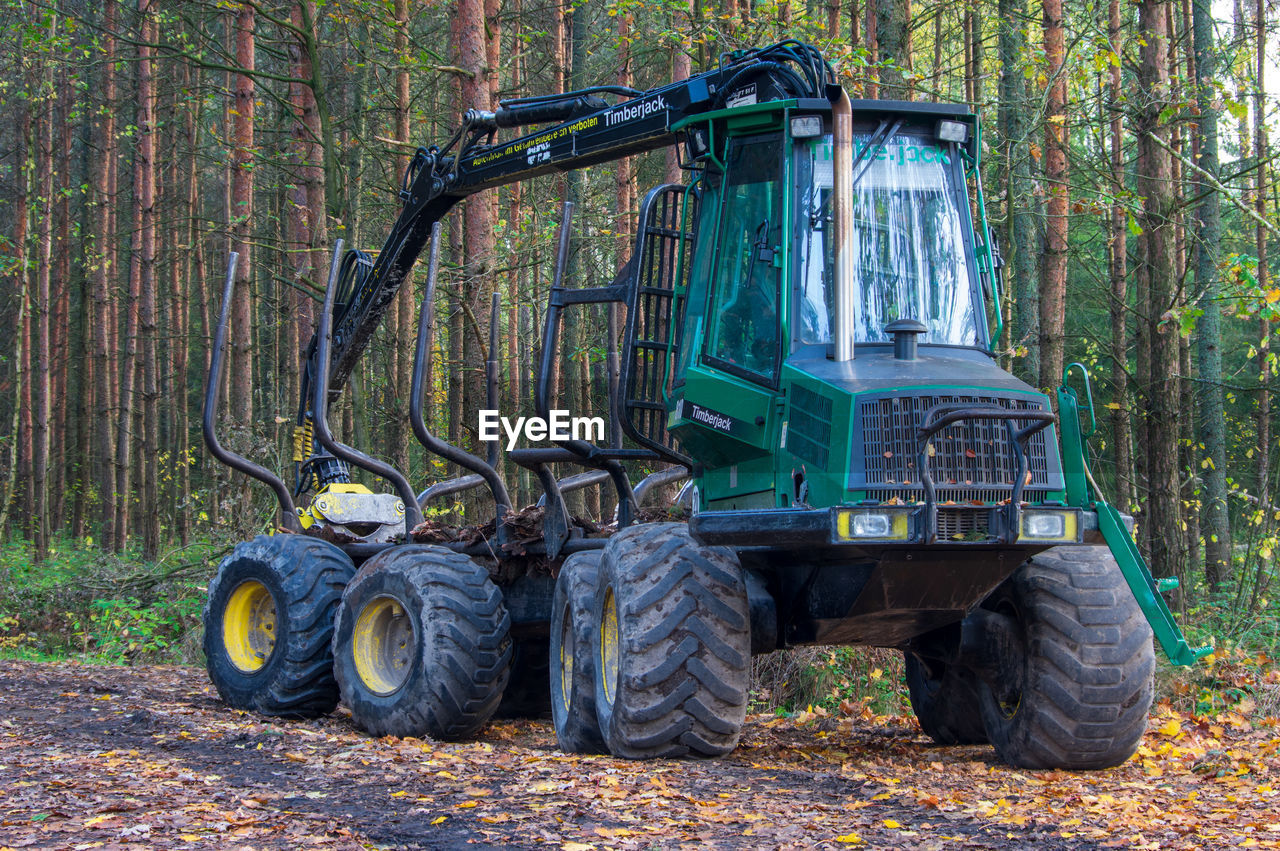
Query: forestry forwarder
point(808, 336)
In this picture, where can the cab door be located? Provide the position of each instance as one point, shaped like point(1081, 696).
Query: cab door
point(725, 409)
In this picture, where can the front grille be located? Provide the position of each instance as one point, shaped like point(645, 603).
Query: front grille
point(972, 460)
point(963, 524)
point(943, 496)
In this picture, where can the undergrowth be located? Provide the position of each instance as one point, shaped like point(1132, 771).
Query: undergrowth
point(831, 680)
point(104, 607)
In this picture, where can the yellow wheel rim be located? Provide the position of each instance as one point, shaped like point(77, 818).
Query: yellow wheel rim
point(566, 656)
point(249, 626)
point(383, 645)
point(609, 646)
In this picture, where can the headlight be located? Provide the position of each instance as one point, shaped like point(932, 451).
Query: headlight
point(1049, 526)
point(871, 524)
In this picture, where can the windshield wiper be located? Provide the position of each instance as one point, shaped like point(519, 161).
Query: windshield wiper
point(884, 132)
point(872, 147)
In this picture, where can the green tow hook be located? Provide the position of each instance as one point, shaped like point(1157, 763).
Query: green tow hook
point(1146, 589)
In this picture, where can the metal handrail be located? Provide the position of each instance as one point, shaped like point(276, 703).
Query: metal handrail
point(951, 413)
point(320, 408)
point(422, 355)
point(213, 389)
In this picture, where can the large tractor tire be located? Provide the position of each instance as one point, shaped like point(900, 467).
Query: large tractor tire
point(945, 700)
point(421, 645)
point(1076, 685)
point(573, 655)
point(268, 625)
point(674, 648)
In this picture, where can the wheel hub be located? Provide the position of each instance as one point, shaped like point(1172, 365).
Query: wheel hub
point(566, 656)
point(249, 626)
point(609, 646)
point(383, 645)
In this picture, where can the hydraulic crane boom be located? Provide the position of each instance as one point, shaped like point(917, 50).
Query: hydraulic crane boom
point(590, 132)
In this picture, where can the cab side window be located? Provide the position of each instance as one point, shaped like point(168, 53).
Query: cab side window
point(743, 321)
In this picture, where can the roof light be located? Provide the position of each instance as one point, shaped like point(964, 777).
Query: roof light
point(953, 131)
point(806, 126)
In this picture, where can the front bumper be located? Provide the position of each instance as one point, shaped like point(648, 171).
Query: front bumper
point(890, 525)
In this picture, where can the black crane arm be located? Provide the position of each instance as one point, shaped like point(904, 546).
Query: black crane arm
point(590, 131)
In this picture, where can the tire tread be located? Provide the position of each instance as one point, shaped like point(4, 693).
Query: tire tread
point(686, 641)
point(1089, 668)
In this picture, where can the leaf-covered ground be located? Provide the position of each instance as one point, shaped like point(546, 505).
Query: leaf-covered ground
point(108, 757)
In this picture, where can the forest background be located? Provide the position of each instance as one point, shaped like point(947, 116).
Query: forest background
point(1128, 167)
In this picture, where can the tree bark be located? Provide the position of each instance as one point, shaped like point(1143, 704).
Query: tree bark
point(1155, 174)
point(893, 20)
point(240, 216)
point(103, 303)
point(191, 267)
point(18, 493)
point(873, 48)
point(406, 299)
point(681, 68)
point(470, 36)
point(1020, 232)
point(145, 201)
point(40, 386)
point(1117, 260)
point(1260, 248)
point(1053, 284)
point(60, 349)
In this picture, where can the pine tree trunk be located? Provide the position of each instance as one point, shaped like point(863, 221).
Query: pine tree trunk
point(319, 163)
point(13, 478)
point(145, 189)
point(1053, 284)
point(240, 217)
point(893, 19)
point(681, 68)
point(104, 316)
point(18, 493)
point(80, 365)
point(295, 306)
point(60, 349)
point(1260, 248)
point(1117, 261)
point(131, 366)
point(406, 301)
point(1155, 175)
point(188, 267)
point(1015, 161)
point(469, 35)
point(40, 385)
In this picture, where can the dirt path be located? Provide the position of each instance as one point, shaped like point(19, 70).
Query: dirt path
point(103, 757)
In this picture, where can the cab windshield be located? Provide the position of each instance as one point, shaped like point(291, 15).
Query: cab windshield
point(908, 258)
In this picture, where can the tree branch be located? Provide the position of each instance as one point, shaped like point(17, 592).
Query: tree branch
point(1213, 181)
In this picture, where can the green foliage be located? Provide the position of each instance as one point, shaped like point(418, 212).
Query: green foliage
point(121, 630)
point(100, 607)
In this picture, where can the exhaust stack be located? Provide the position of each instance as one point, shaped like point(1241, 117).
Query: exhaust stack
point(842, 223)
